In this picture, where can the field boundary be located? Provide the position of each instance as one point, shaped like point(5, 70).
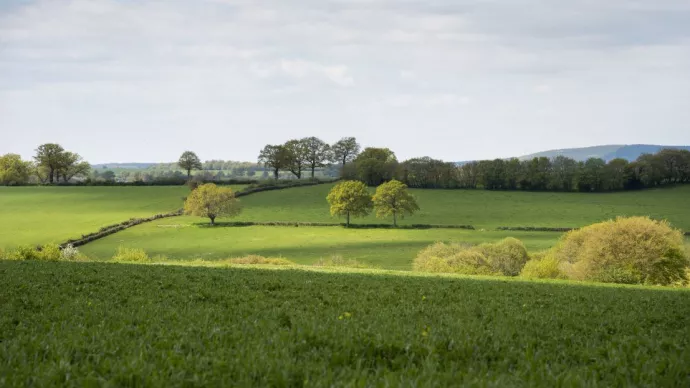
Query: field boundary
point(231, 224)
point(535, 229)
point(114, 228)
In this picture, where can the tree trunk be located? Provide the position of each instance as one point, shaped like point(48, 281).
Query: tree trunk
point(189, 173)
point(213, 220)
point(52, 172)
point(348, 219)
point(275, 174)
point(312, 172)
point(395, 219)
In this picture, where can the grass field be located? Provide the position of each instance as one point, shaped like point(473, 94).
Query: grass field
point(94, 324)
point(180, 238)
point(39, 215)
point(486, 209)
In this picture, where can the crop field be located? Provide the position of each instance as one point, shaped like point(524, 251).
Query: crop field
point(39, 215)
point(486, 209)
point(88, 324)
point(385, 248)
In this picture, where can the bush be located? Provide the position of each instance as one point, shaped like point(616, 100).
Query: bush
point(546, 267)
point(50, 252)
point(255, 259)
point(131, 255)
point(23, 252)
point(635, 250)
point(339, 261)
point(453, 258)
point(507, 256)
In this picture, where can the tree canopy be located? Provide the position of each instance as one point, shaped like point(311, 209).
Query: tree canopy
point(350, 198)
point(13, 170)
point(189, 161)
point(213, 202)
point(393, 199)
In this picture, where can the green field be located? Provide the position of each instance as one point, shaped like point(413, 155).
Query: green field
point(39, 215)
point(181, 238)
point(486, 209)
point(92, 324)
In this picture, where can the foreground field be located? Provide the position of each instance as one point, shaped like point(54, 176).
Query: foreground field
point(486, 209)
point(39, 215)
point(71, 324)
point(181, 238)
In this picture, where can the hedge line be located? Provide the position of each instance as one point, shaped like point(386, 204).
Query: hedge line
point(111, 229)
point(534, 229)
point(331, 224)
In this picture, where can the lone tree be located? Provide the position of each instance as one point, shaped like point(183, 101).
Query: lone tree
point(392, 198)
point(350, 198)
point(189, 161)
point(345, 150)
point(211, 201)
point(296, 154)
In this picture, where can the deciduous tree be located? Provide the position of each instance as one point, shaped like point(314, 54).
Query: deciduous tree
point(13, 170)
point(50, 157)
point(345, 150)
point(350, 198)
point(189, 161)
point(274, 157)
point(211, 201)
point(296, 153)
point(317, 153)
point(393, 199)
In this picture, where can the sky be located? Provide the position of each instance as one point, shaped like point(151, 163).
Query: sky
point(142, 80)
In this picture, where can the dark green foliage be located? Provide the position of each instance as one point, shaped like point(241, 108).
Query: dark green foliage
point(66, 324)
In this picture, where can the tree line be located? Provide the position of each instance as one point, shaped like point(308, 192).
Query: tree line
point(51, 164)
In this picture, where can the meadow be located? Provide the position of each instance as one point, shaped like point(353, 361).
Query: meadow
point(99, 324)
point(486, 209)
point(181, 238)
point(40, 215)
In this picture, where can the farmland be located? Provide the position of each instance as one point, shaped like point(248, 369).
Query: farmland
point(487, 209)
point(81, 324)
point(180, 238)
point(39, 215)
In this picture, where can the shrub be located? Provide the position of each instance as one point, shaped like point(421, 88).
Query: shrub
point(507, 256)
point(635, 250)
point(23, 252)
point(70, 253)
point(544, 267)
point(339, 261)
point(453, 258)
point(131, 255)
point(255, 259)
point(49, 252)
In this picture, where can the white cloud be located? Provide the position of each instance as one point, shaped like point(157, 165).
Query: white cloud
point(614, 71)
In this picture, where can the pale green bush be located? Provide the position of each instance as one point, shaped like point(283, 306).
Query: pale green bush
point(255, 259)
point(507, 256)
point(635, 250)
point(131, 255)
point(49, 252)
point(542, 267)
point(23, 252)
point(339, 261)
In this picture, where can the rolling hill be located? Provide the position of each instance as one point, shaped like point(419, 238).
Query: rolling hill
point(606, 152)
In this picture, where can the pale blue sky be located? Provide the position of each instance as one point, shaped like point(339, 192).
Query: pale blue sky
point(452, 79)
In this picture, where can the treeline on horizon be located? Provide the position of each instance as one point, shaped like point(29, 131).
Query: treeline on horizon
point(302, 158)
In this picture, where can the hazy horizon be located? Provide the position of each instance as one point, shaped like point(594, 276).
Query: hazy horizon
point(124, 81)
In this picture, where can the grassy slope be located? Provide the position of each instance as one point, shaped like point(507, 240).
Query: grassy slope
point(486, 209)
point(38, 215)
point(386, 248)
point(108, 324)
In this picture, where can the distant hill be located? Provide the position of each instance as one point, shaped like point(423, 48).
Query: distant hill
point(606, 152)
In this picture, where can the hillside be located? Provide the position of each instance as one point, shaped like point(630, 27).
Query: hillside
point(606, 152)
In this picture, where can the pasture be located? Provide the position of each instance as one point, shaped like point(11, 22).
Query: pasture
point(180, 238)
point(40, 215)
point(98, 324)
point(486, 209)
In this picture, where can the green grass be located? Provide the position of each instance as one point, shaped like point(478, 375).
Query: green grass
point(486, 209)
point(39, 215)
point(95, 324)
point(182, 238)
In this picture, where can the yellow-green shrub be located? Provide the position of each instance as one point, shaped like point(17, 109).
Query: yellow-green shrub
point(507, 256)
point(255, 259)
point(635, 250)
point(462, 259)
point(339, 261)
point(49, 252)
point(542, 267)
point(131, 255)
